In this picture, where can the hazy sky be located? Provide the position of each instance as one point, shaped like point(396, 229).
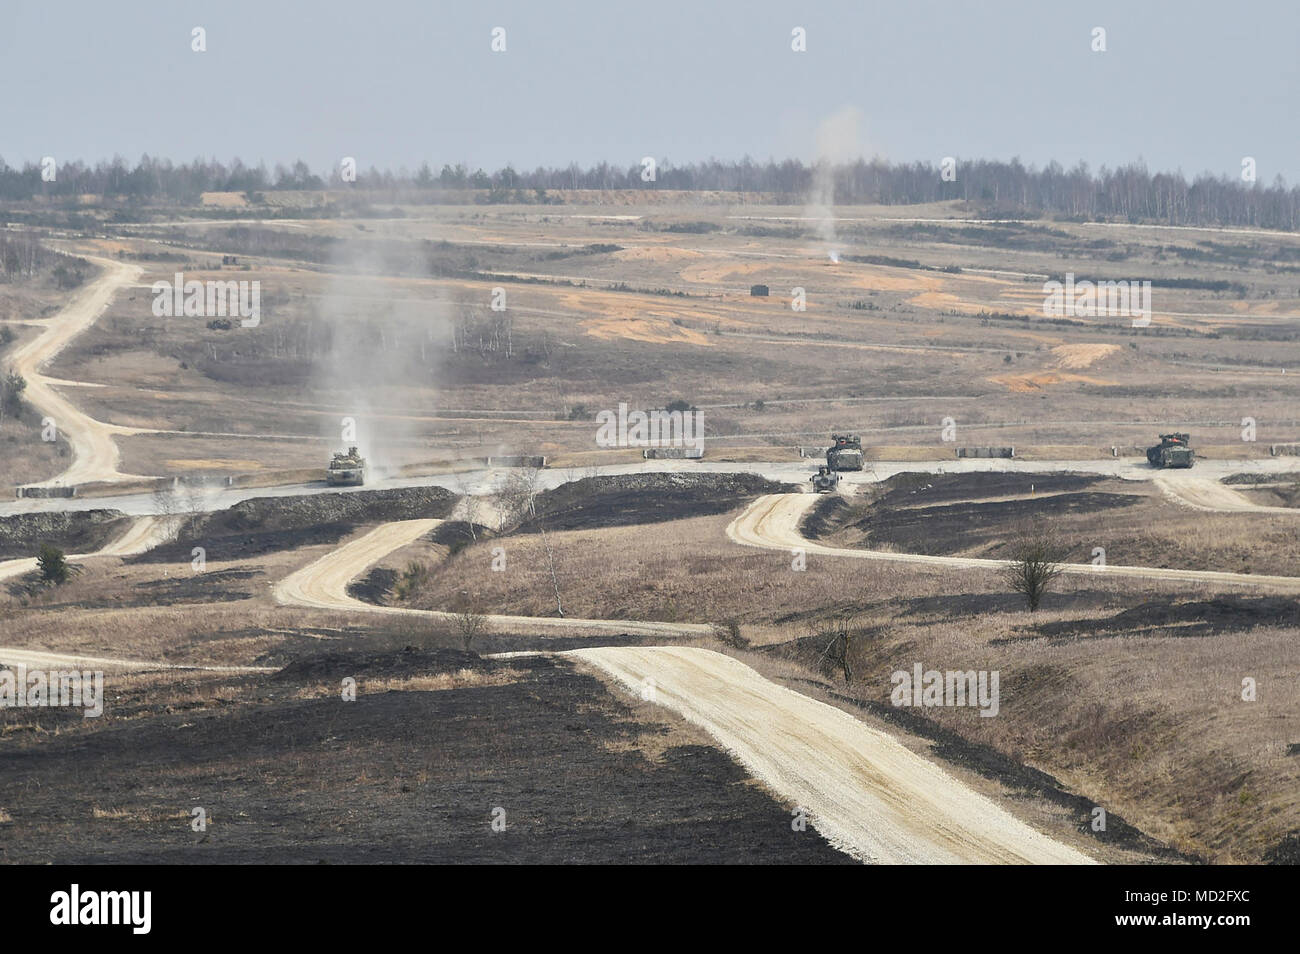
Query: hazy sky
point(1184, 84)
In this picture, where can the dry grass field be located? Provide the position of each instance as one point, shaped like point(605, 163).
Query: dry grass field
point(389, 321)
point(1125, 694)
point(1129, 692)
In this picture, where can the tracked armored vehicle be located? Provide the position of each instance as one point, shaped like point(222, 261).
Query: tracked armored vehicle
point(825, 480)
point(347, 469)
point(1174, 450)
point(845, 453)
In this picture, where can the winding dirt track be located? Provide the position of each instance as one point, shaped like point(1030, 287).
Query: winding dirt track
point(865, 792)
point(94, 453)
point(772, 522)
point(143, 534)
point(1212, 496)
point(34, 659)
point(323, 585)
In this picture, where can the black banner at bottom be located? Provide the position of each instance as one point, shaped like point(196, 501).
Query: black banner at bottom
point(141, 904)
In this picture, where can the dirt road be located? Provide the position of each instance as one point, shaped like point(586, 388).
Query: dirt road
point(1208, 494)
point(772, 522)
point(323, 585)
point(865, 792)
point(94, 454)
point(38, 659)
point(143, 534)
point(482, 482)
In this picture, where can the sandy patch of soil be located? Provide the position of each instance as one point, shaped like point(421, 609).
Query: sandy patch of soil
point(648, 253)
point(650, 330)
point(1075, 357)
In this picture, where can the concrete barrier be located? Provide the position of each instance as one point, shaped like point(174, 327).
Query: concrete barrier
point(47, 491)
point(516, 461)
point(813, 451)
point(986, 452)
point(203, 480)
point(673, 453)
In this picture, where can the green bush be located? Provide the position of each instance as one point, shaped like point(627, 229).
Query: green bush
point(53, 565)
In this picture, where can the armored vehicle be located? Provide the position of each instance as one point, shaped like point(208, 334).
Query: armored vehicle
point(347, 469)
point(825, 480)
point(845, 453)
point(1174, 450)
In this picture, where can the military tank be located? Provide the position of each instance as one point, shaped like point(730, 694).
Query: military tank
point(1174, 450)
point(347, 469)
point(845, 453)
point(825, 480)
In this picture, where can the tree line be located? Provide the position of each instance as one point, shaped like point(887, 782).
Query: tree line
point(1126, 193)
point(23, 257)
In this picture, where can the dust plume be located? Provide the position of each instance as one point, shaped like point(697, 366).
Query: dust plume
point(838, 142)
point(384, 336)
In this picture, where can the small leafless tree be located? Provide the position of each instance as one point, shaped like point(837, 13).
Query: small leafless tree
point(1034, 564)
point(196, 503)
point(471, 624)
point(517, 494)
point(471, 506)
point(517, 501)
point(169, 506)
point(550, 566)
point(840, 643)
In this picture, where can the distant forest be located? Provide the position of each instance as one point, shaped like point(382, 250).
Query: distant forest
point(1128, 193)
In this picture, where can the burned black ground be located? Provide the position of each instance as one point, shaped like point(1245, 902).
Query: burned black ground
point(627, 499)
point(396, 776)
point(270, 524)
point(1165, 618)
point(83, 531)
point(950, 746)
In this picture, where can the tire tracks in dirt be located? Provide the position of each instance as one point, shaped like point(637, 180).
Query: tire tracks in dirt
point(37, 659)
point(1212, 496)
point(95, 456)
point(772, 522)
point(866, 793)
point(323, 584)
point(142, 535)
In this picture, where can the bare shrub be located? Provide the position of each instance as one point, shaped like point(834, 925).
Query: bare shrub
point(471, 624)
point(728, 633)
point(1036, 558)
point(839, 635)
